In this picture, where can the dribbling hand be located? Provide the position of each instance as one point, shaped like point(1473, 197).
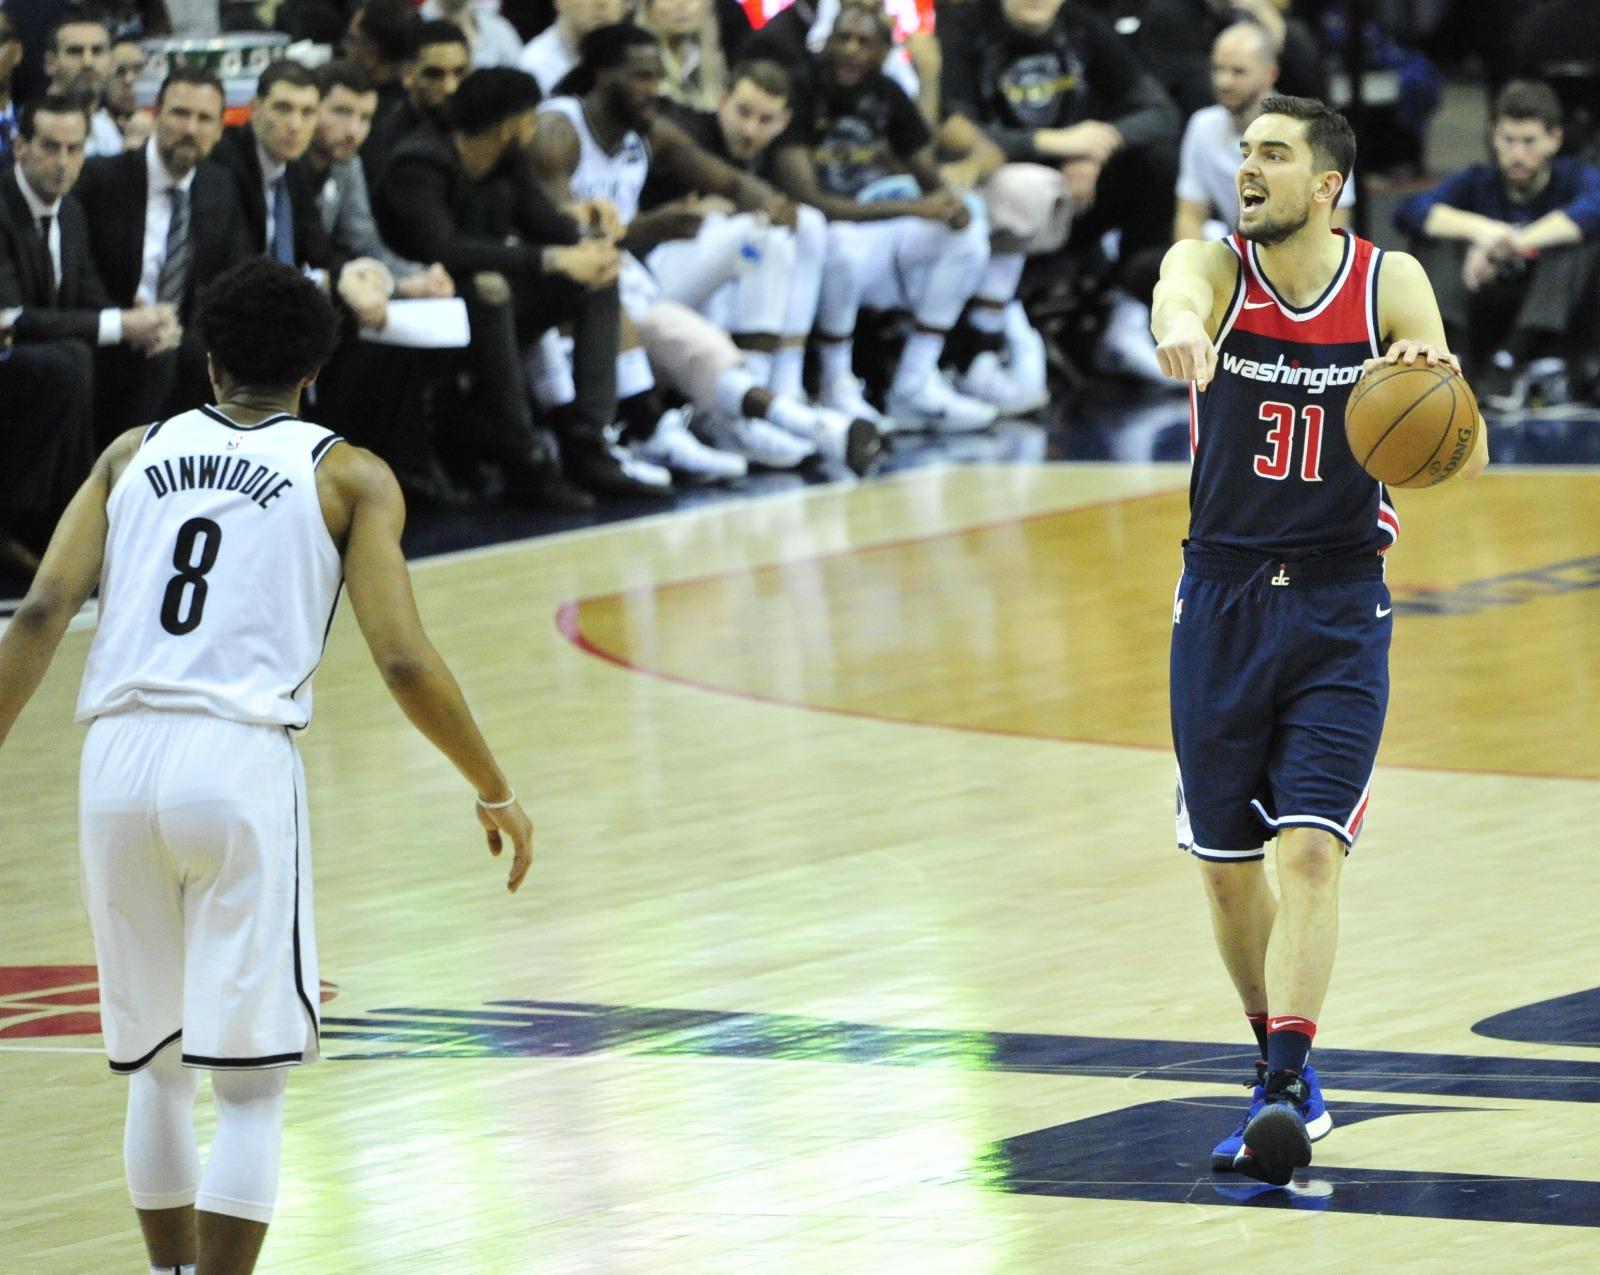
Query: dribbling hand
point(509, 821)
point(1409, 352)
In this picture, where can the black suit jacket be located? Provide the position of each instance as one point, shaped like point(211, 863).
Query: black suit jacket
point(24, 263)
point(113, 191)
point(236, 154)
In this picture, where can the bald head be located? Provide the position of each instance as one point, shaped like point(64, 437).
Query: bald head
point(1244, 68)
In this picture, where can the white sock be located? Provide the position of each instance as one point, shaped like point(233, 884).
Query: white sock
point(186, 1268)
point(550, 371)
point(731, 388)
point(787, 414)
point(633, 373)
point(788, 371)
point(917, 362)
point(837, 361)
point(986, 318)
point(759, 364)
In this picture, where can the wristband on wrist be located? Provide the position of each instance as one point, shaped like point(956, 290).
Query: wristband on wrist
point(498, 805)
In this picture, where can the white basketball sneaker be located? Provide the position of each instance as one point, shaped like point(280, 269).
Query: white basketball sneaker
point(939, 406)
point(847, 394)
point(987, 379)
point(760, 442)
point(676, 449)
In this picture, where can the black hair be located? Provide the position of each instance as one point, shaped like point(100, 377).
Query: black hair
point(1528, 100)
point(284, 71)
point(52, 104)
point(344, 73)
point(77, 18)
point(600, 50)
point(188, 73)
point(439, 31)
point(489, 96)
point(391, 26)
point(768, 76)
point(1328, 133)
point(266, 324)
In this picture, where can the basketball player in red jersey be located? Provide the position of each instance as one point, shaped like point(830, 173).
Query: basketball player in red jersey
point(1281, 621)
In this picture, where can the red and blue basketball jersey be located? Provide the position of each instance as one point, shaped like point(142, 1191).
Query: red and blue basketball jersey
point(1273, 475)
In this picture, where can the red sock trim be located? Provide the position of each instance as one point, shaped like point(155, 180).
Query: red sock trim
point(1291, 1023)
point(1256, 1020)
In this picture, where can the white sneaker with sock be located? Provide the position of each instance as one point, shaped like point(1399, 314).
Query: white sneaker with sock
point(675, 448)
point(760, 442)
point(848, 395)
point(986, 379)
point(634, 465)
point(939, 406)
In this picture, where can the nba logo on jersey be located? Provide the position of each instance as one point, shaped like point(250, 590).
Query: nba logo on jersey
point(232, 445)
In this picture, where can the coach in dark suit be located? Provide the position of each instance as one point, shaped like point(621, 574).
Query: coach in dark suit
point(162, 222)
point(61, 312)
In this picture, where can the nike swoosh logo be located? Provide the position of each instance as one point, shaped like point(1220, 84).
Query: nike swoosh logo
point(1383, 611)
point(1257, 305)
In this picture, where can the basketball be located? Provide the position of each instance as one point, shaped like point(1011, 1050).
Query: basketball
point(1411, 425)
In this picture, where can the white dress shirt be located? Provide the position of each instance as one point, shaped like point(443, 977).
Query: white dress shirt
point(157, 220)
point(110, 319)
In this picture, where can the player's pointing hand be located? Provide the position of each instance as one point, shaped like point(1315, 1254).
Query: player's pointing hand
point(511, 821)
point(1188, 355)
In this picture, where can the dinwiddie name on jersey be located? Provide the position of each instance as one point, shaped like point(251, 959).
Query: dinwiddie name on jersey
point(260, 483)
point(1315, 379)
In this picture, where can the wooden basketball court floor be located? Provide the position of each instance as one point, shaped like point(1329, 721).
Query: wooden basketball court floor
point(856, 939)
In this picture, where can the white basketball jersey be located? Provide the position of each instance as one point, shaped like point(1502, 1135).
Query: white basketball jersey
point(600, 174)
point(220, 578)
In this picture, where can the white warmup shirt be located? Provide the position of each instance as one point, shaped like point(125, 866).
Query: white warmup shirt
point(220, 579)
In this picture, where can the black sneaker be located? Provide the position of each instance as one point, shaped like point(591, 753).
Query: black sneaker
point(595, 465)
point(1276, 1141)
point(1502, 386)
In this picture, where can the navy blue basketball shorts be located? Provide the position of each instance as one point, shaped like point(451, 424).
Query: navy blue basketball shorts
point(1280, 681)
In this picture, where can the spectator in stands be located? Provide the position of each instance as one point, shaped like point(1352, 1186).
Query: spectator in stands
point(439, 61)
point(381, 36)
point(1174, 39)
point(78, 62)
point(551, 54)
point(1513, 248)
point(691, 49)
point(802, 28)
point(1243, 75)
point(10, 56)
point(59, 311)
point(127, 60)
point(1050, 84)
point(161, 223)
point(468, 199)
point(493, 40)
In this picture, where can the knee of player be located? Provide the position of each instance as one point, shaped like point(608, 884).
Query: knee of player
point(1309, 858)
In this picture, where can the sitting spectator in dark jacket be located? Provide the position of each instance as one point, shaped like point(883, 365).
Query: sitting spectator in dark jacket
point(1513, 248)
point(468, 200)
point(381, 35)
point(431, 76)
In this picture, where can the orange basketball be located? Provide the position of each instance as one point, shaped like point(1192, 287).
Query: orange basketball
point(1411, 425)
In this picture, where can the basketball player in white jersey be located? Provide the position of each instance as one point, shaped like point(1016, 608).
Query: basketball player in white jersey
point(599, 142)
point(220, 540)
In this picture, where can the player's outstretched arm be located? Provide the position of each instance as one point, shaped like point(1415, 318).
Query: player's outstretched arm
point(1193, 274)
point(1409, 319)
point(416, 675)
point(67, 575)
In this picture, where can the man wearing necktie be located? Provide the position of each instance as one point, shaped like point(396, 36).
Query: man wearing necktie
point(188, 228)
point(266, 160)
point(61, 313)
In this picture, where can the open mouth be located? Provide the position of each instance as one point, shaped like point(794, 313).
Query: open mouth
point(1250, 200)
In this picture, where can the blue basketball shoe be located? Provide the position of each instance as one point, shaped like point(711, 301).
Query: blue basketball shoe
point(1316, 1116)
point(1277, 1139)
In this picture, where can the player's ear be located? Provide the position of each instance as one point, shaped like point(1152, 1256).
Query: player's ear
point(1329, 186)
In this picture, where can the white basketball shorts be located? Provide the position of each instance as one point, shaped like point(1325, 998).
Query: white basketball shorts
point(196, 862)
